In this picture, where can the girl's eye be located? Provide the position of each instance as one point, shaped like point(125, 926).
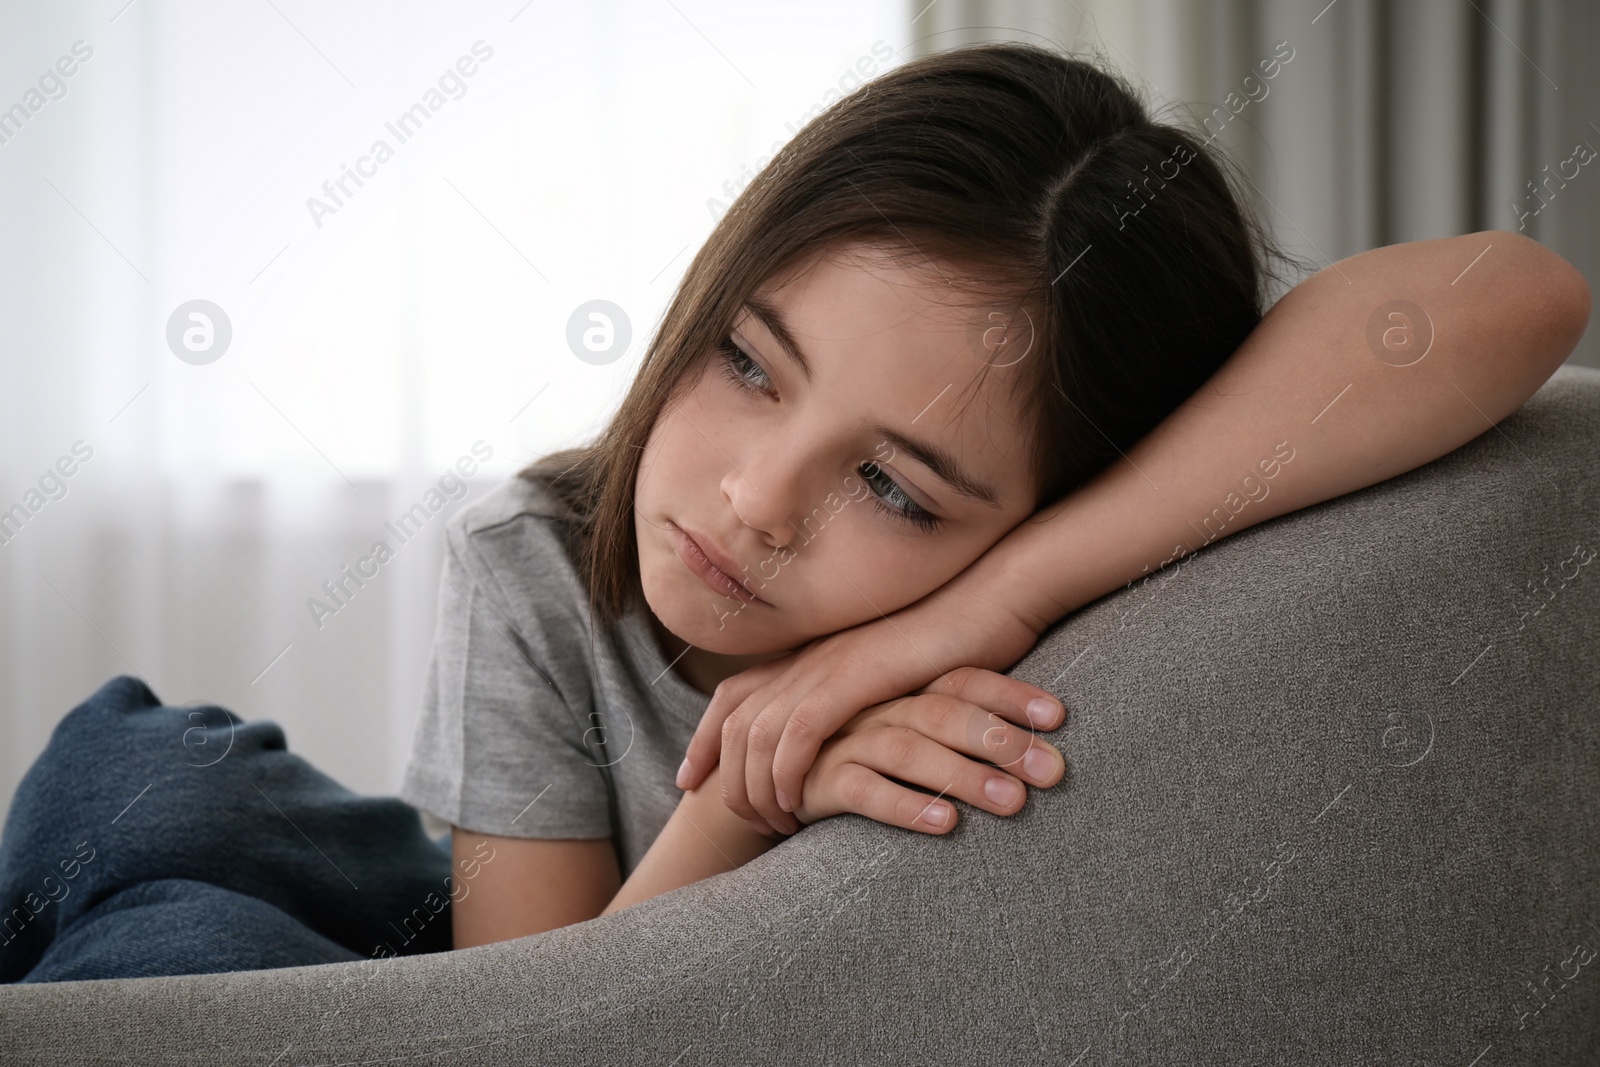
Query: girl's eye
point(907, 509)
point(746, 373)
point(737, 368)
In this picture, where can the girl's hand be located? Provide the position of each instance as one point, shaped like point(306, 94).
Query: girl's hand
point(767, 724)
point(925, 740)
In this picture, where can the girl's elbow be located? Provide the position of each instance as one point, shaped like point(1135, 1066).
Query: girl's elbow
point(1575, 300)
point(1555, 297)
point(1568, 316)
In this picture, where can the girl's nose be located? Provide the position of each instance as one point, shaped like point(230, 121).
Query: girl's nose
point(771, 489)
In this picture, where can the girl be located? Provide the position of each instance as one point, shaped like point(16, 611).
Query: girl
point(988, 289)
point(980, 345)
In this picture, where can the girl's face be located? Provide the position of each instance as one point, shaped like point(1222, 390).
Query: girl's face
point(835, 496)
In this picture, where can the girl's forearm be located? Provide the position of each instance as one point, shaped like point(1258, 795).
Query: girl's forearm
point(702, 838)
point(1306, 410)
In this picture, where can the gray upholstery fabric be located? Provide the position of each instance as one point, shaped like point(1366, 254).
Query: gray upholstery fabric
point(1330, 800)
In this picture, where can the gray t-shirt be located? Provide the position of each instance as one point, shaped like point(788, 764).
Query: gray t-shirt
point(532, 725)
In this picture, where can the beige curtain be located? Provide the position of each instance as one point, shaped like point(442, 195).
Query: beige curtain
point(1391, 122)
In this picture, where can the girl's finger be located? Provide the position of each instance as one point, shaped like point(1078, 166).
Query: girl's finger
point(737, 733)
point(761, 741)
point(734, 742)
point(706, 744)
point(980, 733)
point(855, 788)
point(1014, 700)
point(917, 759)
point(815, 713)
point(705, 747)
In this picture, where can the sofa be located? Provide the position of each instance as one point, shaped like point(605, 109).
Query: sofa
point(1333, 797)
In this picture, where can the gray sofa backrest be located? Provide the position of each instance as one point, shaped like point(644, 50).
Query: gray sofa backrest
point(1331, 799)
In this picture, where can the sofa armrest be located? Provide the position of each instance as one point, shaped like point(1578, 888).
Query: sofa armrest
point(1331, 798)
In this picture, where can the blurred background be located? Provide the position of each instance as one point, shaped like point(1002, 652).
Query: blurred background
point(260, 342)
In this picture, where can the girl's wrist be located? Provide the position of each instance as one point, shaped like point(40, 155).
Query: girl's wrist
point(997, 593)
point(737, 839)
point(1066, 555)
point(702, 838)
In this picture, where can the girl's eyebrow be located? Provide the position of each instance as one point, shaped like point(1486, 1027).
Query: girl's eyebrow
point(773, 319)
point(941, 463)
point(936, 459)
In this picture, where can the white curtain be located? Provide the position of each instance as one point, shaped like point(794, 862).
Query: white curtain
point(1394, 120)
point(382, 330)
point(386, 332)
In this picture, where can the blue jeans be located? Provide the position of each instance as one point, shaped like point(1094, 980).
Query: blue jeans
point(152, 840)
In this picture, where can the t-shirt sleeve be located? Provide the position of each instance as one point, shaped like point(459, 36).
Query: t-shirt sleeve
point(501, 746)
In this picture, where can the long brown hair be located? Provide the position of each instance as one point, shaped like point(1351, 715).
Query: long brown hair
point(1042, 178)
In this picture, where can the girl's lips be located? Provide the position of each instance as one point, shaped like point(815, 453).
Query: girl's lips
point(695, 558)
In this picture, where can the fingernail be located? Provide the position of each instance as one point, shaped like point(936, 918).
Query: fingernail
point(1042, 712)
point(1039, 762)
point(683, 773)
point(1002, 791)
point(937, 816)
point(784, 802)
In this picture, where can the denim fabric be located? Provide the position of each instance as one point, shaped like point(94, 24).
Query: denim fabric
point(152, 840)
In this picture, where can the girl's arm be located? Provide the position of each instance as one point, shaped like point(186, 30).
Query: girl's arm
point(507, 887)
point(922, 740)
point(702, 838)
point(1369, 368)
point(1335, 376)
